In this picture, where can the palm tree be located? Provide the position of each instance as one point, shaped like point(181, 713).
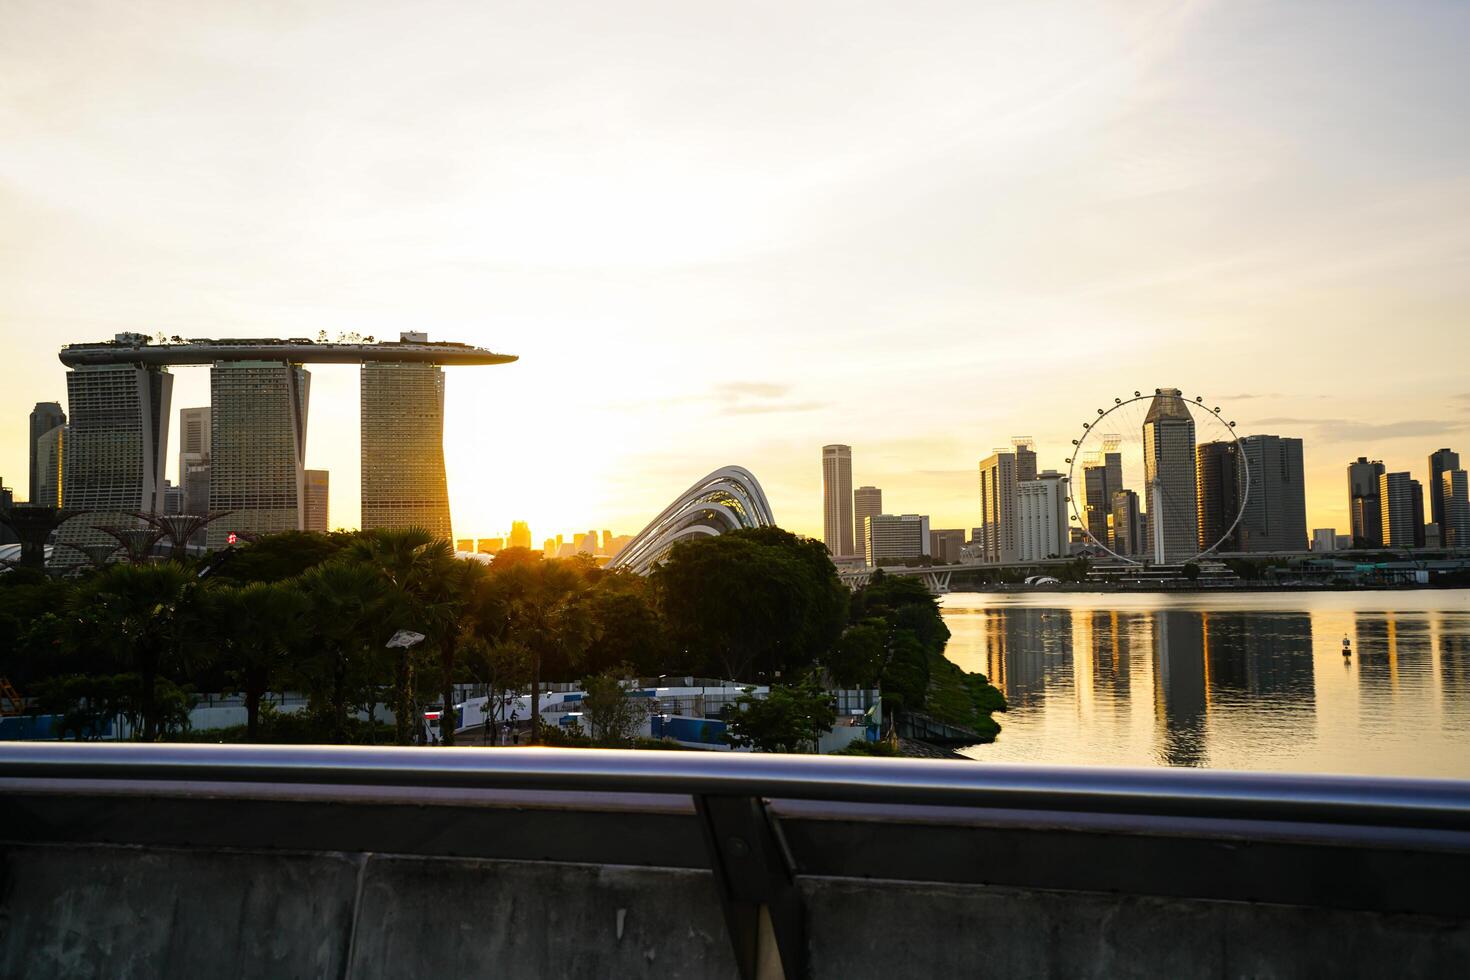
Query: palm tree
point(449, 597)
point(546, 613)
point(259, 625)
point(350, 608)
point(141, 616)
point(412, 563)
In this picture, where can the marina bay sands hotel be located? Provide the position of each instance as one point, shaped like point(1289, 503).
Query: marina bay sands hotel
point(119, 394)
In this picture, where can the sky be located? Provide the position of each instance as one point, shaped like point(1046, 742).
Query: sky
point(730, 234)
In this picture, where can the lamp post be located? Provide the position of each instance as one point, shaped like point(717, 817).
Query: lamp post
point(406, 640)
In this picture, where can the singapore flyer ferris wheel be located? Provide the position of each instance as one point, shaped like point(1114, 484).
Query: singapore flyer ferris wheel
point(1158, 478)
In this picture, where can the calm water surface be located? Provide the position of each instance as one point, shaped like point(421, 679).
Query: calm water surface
point(1241, 681)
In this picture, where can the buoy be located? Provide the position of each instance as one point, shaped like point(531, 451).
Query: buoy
point(1347, 647)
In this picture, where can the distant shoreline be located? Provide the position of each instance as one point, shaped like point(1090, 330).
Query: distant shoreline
point(1198, 590)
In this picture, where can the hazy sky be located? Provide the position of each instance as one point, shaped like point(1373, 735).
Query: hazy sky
point(732, 233)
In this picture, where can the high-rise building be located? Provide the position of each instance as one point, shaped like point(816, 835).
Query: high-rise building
point(607, 542)
point(1000, 474)
point(587, 543)
point(1402, 523)
point(1220, 480)
point(1324, 539)
point(1275, 517)
point(550, 547)
point(1127, 531)
point(1102, 477)
point(318, 515)
point(44, 417)
point(837, 528)
point(403, 479)
point(520, 535)
point(257, 441)
point(1042, 530)
point(866, 502)
point(1363, 502)
point(895, 537)
point(464, 544)
point(945, 544)
point(1416, 504)
point(194, 442)
point(115, 449)
point(1440, 461)
point(490, 546)
point(1454, 498)
point(1169, 474)
point(173, 498)
point(50, 467)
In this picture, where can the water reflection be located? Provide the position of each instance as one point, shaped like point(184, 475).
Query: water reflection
point(1254, 681)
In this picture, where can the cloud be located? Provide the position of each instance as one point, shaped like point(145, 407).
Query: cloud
point(751, 389)
point(1349, 430)
point(1243, 398)
point(766, 408)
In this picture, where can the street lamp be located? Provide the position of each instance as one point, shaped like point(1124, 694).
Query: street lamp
point(406, 640)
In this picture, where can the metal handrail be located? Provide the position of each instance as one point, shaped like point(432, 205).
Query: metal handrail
point(1441, 804)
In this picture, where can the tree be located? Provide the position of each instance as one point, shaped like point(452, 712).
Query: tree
point(754, 602)
point(277, 557)
point(612, 717)
point(258, 627)
point(628, 631)
point(350, 607)
point(858, 656)
point(789, 719)
point(141, 616)
point(416, 567)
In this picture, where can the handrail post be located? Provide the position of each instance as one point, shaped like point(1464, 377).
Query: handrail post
point(755, 877)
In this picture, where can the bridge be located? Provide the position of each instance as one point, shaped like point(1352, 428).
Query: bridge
point(937, 577)
point(243, 861)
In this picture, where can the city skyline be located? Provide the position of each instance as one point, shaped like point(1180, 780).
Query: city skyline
point(1157, 179)
point(179, 440)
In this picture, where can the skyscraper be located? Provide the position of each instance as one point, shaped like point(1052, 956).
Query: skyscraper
point(1275, 517)
point(866, 502)
point(318, 514)
point(1440, 461)
point(1454, 497)
point(1396, 505)
point(257, 447)
point(1220, 479)
point(895, 537)
point(945, 543)
point(194, 442)
point(1000, 474)
point(403, 479)
point(50, 467)
point(837, 527)
point(1416, 505)
point(1169, 474)
point(1042, 530)
point(44, 417)
point(115, 446)
point(1102, 477)
point(1363, 502)
point(520, 535)
point(1127, 530)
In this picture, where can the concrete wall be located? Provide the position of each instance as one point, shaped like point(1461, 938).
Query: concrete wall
point(126, 912)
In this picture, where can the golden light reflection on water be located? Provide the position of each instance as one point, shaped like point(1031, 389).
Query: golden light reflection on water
point(1241, 681)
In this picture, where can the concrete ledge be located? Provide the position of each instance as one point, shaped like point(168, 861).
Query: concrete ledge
point(127, 912)
point(861, 929)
